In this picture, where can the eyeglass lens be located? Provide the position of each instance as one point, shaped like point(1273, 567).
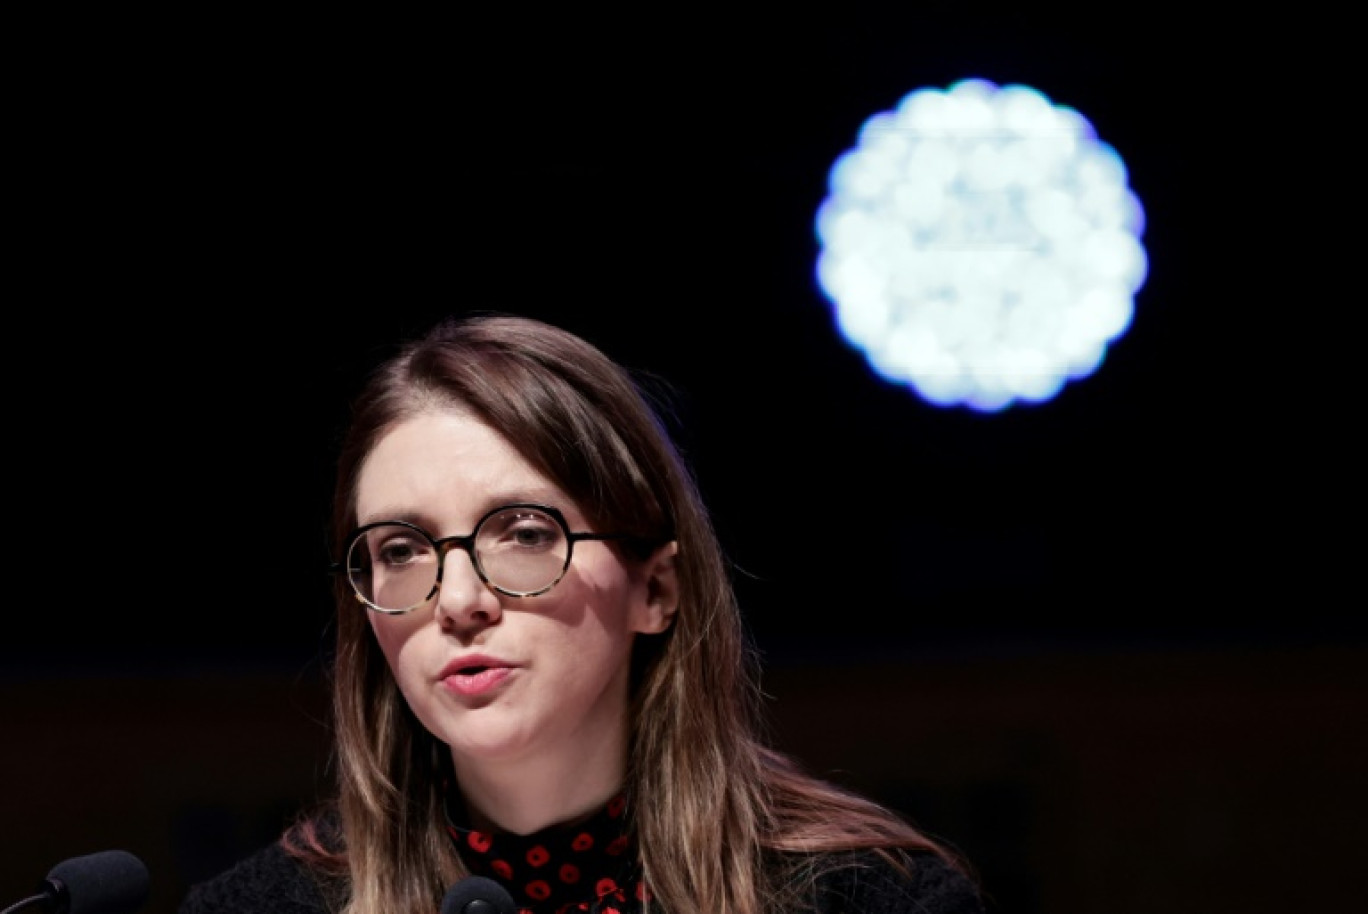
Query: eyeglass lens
point(519, 551)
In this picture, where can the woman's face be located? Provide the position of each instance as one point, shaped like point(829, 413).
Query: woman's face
point(505, 679)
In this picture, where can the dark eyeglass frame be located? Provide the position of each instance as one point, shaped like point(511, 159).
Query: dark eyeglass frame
point(467, 542)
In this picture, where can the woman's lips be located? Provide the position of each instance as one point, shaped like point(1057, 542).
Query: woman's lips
point(477, 681)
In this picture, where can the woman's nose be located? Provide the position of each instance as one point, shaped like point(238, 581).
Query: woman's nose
point(463, 598)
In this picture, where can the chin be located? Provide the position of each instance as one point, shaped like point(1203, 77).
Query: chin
point(488, 743)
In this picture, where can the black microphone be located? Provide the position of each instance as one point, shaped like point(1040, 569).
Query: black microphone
point(477, 895)
point(106, 882)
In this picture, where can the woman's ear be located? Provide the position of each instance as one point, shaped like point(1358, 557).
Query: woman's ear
point(656, 612)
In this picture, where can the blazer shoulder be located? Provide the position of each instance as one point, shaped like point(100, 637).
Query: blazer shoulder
point(869, 883)
point(268, 881)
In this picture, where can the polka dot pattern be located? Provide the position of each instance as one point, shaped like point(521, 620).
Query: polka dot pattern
point(586, 867)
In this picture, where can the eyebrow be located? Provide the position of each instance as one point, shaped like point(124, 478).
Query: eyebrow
point(550, 498)
point(409, 517)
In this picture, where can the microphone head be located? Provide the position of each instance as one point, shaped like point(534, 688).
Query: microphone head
point(478, 895)
point(106, 882)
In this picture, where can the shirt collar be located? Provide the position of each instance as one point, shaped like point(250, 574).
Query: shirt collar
point(575, 866)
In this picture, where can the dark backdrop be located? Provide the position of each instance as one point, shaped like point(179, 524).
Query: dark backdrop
point(230, 227)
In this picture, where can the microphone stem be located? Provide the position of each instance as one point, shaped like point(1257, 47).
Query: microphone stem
point(33, 899)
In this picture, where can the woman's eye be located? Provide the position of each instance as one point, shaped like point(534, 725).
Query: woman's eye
point(533, 535)
point(399, 552)
point(522, 530)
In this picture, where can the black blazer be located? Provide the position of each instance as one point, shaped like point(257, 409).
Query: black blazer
point(271, 882)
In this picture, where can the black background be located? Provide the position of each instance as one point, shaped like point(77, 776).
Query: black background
point(237, 229)
point(225, 223)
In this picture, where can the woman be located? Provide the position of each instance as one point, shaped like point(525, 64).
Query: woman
point(541, 675)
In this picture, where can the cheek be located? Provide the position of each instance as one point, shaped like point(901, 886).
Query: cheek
point(393, 635)
point(599, 622)
point(605, 587)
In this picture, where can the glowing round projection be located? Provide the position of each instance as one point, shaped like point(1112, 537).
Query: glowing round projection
point(980, 245)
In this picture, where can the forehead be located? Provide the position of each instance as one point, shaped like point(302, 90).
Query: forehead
point(448, 468)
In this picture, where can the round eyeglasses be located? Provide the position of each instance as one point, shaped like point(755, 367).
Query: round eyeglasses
point(520, 550)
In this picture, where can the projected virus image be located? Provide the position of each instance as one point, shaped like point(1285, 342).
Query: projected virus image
point(980, 245)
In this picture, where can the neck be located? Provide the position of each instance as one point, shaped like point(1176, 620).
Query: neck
point(528, 795)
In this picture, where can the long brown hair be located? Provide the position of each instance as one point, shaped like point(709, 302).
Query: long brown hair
point(724, 822)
